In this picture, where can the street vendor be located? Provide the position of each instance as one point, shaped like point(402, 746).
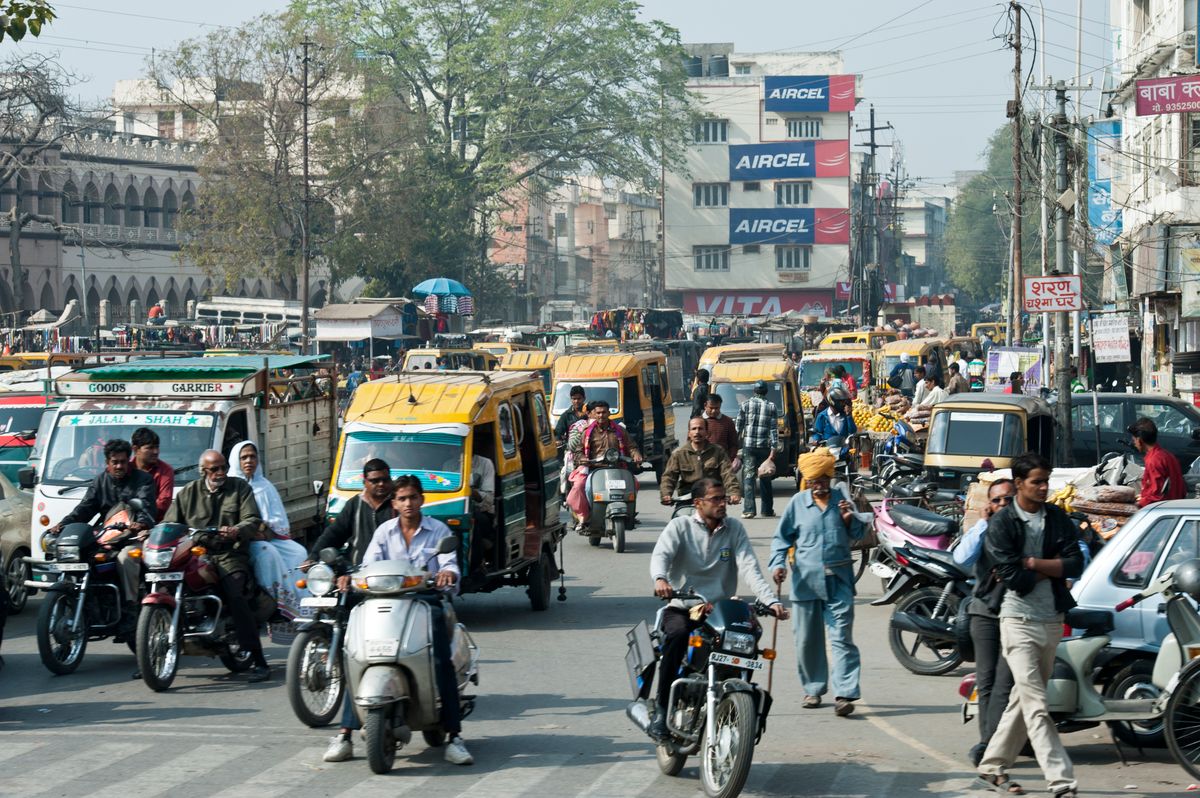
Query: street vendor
point(1162, 478)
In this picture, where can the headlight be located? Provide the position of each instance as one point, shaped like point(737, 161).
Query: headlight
point(158, 558)
point(611, 456)
point(388, 583)
point(738, 642)
point(320, 579)
point(68, 553)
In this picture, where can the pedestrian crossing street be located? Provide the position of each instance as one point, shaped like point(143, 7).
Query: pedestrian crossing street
point(157, 759)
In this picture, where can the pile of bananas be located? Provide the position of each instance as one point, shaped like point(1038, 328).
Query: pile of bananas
point(1063, 497)
point(805, 400)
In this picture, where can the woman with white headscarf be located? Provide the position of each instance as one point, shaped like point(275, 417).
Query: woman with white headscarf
point(275, 557)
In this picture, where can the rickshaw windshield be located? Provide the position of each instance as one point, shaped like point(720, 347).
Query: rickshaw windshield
point(609, 391)
point(977, 434)
point(436, 458)
point(734, 395)
point(813, 371)
point(17, 418)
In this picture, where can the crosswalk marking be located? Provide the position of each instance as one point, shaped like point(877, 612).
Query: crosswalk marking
point(73, 767)
point(520, 778)
point(189, 767)
point(383, 787)
point(623, 778)
point(11, 750)
point(281, 778)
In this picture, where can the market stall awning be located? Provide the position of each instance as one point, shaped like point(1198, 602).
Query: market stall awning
point(357, 322)
point(45, 320)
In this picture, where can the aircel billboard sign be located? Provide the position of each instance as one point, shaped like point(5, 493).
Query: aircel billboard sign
point(789, 226)
point(811, 93)
point(789, 160)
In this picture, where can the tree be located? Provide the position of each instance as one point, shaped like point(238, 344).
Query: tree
point(18, 17)
point(977, 237)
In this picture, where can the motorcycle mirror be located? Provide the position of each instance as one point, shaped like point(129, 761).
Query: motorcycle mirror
point(447, 545)
point(318, 487)
point(26, 478)
point(136, 504)
point(1196, 434)
point(329, 555)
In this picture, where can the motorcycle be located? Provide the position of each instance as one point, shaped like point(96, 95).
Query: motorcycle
point(389, 658)
point(612, 496)
point(315, 677)
point(1075, 703)
point(898, 524)
point(182, 612)
point(82, 577)
point(927, 590)
point(715, 708)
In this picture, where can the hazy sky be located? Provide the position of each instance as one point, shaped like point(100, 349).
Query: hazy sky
point(933, 68)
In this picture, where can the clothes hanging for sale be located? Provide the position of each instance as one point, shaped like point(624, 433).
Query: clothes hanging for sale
point(466, 306)
point(431, 304)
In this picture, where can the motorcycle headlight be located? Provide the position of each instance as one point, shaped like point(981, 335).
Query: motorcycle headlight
point(320, 579)
point(611, 456)
point(68, 553)
point(157, 558)
point(738, 643)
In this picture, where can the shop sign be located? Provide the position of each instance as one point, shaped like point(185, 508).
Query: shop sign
point(758, 303)
point(789, 160)
point(1179, 94)
point(811, 93)
point(1050, 294)
point(1110, 338)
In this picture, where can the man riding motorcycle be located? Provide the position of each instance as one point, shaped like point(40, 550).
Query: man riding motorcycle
point(118, 483)
point(704, 553)
point(697, 460)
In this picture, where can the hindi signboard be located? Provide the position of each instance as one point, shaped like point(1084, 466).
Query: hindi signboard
point(1110, 338)
point(1051, 294)
point(1174, 95)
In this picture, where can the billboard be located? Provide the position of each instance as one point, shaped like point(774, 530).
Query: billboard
point(1104, 217)
point(809, 93)
point(1179, 94)
point(767, 302)
point(789, 160)
point(1004, 360)
point(789, 226)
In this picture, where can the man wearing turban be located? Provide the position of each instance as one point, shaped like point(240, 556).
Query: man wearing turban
point(819, 529)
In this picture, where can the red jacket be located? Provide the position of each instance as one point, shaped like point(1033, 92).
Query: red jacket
point(1162, 478)
point(164, 488)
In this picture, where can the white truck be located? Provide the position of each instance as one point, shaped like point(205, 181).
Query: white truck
point(286, 404)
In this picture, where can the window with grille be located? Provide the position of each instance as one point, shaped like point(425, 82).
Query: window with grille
point(711, 258)
point(804, 128)
point(712, 131)
point(793, 192)
point(710, 195)
point(741, 69)
point(793, 259)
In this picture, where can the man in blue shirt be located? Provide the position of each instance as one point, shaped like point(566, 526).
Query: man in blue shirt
point(819, 527)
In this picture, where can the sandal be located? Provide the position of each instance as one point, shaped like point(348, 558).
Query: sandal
point(1070, 792)
point(1003, 784)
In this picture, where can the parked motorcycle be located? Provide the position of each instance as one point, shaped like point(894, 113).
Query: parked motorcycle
point(182, 612)
point(389, 658)
point(715, 708)
point(315, 677)
point(927, 590)
point(82, 577)
point(612, 496)
point(898, 524)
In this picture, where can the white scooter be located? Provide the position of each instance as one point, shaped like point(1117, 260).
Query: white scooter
point(612, 494)
point(389, 658)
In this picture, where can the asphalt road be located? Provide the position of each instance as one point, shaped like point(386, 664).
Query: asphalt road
point(550, 717)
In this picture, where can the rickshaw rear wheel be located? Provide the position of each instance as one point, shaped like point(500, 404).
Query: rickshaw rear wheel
point(540, 586)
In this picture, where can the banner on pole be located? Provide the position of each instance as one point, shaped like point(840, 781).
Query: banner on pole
point(1110, 338)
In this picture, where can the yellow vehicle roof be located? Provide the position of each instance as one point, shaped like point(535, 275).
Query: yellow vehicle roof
point(527, 361)
point(598, 343)
point(430, 397)
point(984, 402)
point(603, 364)
point(715, 354)
point(751, 370)
point(834, 355)
point(910, 346)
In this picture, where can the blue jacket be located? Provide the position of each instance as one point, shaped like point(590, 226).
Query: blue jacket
point(821, 541)
point(823, 428)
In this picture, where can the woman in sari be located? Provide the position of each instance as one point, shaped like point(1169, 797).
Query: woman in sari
point(275, 556)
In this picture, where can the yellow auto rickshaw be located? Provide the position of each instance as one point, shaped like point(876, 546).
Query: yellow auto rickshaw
point(502, 348)
point(858, 339)
point(996, 330)
point(961, 347)
point(917, 349)
point(733, 379)
point(455, 360)
point(975, 432)
point(535, 361)
point(435, 426)
point(638, 393)
point(859, 365)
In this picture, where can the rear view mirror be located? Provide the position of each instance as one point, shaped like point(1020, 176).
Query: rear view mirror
point(318, 487)
point(447, 545)
point(136, 504)
point(1196, 434)
point(26, 478)
point(329, 555)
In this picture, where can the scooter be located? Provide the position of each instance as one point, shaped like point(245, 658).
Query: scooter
point(898, 524)
point(1075, 703)
point(927, 590)
point(612, 496)
point(389, 658)
point(715, 708)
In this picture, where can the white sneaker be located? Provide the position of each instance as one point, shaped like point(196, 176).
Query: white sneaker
point(340, 749)
point(457, 753)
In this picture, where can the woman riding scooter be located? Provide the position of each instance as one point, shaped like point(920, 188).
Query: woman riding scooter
point(836, 420)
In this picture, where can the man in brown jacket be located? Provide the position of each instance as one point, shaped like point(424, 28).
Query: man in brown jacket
point(721, 429)
point(227, 505)
point(695, 461)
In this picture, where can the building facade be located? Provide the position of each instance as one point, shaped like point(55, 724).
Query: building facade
point(758, 222)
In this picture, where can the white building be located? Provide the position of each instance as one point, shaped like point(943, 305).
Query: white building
point(759, 221)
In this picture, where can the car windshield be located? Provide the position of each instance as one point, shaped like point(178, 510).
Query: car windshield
point(813, 371)
point(433, 457)
point(609, 391)
point(14, 419)
point(76, 451)
point(734, 395)
point(980, 434)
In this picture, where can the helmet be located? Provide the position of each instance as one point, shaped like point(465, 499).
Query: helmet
point(760, 388)
point(837, 396)
point(1187, 578)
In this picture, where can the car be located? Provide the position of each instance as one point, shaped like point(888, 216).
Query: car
point(1178, 425)
point(16, 507)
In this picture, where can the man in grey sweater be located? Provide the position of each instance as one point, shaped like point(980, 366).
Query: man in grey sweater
point(703, 552)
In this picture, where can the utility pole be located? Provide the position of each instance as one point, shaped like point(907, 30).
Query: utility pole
point(304, 248)
point(870, 232)
point(1014, 112)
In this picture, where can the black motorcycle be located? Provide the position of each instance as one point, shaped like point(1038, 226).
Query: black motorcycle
point(927, 590)
point(315, 678)
point(81, 575)
point(715, 708)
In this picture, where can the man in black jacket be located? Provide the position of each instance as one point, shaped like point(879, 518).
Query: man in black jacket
point(1034, 550)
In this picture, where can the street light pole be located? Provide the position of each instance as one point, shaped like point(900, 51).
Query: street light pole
point(304, 253)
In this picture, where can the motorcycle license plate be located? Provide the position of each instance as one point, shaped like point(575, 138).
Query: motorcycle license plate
point(382, 648)
point(717, 658)
point(169, 576)
point(66, 566)
point(617, 484)
point(319, 601)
